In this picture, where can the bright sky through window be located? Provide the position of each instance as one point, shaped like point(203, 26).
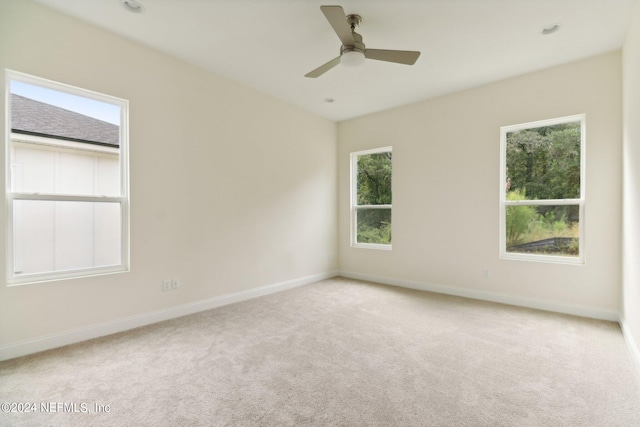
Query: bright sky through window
point(99, 110)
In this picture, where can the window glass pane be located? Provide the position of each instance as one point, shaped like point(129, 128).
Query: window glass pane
point(57, 236)
point(544, 162)
point(374, 179)
point(70, 145)
point(541, 229)
point(63, 143)
point(374, 226)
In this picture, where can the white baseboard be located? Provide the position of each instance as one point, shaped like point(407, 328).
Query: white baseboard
point(540, 304)
point(48, 342)
point(633, 346)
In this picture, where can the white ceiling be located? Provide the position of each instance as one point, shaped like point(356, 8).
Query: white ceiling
point(270, 45)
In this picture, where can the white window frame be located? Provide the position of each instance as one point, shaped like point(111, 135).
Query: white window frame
point(354, 200)
point(123, 200)
point(580, 259)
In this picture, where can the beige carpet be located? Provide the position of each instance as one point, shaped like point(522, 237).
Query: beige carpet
point(339, 352)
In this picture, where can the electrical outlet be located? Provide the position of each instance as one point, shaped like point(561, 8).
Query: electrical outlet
point(486, 272)
point(175, 282)
point(166, 285)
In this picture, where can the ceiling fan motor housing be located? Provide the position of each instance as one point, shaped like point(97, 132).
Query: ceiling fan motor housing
point(357, 46)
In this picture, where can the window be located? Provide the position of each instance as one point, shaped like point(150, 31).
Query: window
point(66, 181)
point(371, 198)
point(542, 190)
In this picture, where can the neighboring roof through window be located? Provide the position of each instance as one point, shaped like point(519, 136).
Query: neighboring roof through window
point(37, 118)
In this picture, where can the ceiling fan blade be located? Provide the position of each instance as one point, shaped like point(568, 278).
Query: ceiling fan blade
point(338, 20)
point(408, 57)
point(323, 68)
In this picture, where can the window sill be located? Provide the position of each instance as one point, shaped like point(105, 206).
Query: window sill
point(66, 275)
point(371, 246)
point(549, 259)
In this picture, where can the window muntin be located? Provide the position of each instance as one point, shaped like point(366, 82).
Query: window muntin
point(542, 190)
point(66, 183)
point(371, 195)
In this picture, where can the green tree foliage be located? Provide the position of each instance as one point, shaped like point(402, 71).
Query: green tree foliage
point(519, 218)
point(374, 179)
point(374, 188)
point(545, 161)
point(374, 226)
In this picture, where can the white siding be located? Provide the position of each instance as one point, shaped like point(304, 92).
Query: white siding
point(55, 236)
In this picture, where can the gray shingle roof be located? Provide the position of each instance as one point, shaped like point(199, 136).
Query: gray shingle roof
point(37, 118)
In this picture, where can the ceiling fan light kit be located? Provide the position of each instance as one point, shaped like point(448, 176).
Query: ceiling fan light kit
point(353, 52)
point(352, 58)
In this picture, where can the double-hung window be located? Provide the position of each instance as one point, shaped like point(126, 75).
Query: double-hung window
point(542, 190)
point(67, 186)
point(371, 198)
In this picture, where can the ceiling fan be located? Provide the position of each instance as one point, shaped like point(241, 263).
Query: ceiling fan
point(353, 51)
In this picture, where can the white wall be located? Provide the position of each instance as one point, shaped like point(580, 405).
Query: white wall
point(446, 188)
point(631, 158)
point(230, 189)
